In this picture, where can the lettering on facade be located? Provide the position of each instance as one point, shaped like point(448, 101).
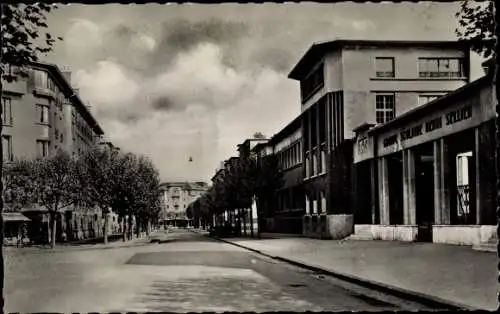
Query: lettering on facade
point(362, 145)
point(391, 140)
point(451, 117)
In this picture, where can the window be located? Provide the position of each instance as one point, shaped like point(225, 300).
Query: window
point(42, 114)
point(441, 67)
point(7, 148)
point(423, 99)
point(41, 79)
point(384, 108)
point(43, 148)
point(384, 67)
point(312, 83)
point(6, 111)
point(315, 163)
point(308, 172)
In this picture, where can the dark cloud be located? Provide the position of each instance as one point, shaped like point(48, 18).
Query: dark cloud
point(179, 36)
point(164, 103)
point(278, 59)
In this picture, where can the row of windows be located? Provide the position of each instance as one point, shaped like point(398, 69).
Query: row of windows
point(42, 148)
point(315, 162)
point(385, 106)
point(316, 204)
point(427, 67)
point(291, 156)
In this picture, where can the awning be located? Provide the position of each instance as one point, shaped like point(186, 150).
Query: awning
point(14, 217)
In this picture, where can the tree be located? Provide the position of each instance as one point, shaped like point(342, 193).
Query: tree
point(18, 185)
point(96, 181)
point(19, 30)
point(477, 26)
point(259, 135)
point(56, 185)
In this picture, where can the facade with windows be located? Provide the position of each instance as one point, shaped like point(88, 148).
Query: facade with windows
point(428, 175)
point(42, 113)
point(177, 196)
point(284, 211)
point(37, 121)
point(345, 83)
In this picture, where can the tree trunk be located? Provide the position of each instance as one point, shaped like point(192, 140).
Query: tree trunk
point(106, 218)
point(129, 229)
point(137, 227)
point(54, 229)
point(123, 225)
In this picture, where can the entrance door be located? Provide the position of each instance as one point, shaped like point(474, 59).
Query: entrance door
point(424, 172)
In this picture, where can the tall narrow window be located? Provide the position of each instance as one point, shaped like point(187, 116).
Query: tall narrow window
point(6, 111)
point(384, 108)
point(43, 148)
point(7, 148)
point(42, 114)
point(308, 166)
point(384, 67)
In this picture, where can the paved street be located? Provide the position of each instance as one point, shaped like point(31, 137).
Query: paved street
point(186, 272)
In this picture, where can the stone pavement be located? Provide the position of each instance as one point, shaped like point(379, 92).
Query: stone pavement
point(454, 274)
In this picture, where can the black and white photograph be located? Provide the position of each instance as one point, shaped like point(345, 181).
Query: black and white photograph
point(249, 157)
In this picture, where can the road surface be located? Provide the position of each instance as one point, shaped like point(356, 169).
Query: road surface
point(187, 272)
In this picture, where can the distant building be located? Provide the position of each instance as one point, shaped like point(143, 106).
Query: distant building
point(177, 196)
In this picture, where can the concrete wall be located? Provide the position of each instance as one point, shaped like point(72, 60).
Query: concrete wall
point(462, 235)
point(404, 233)
point(360, 84)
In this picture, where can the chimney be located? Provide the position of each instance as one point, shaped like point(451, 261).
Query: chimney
point(67, 74)
point(77, 91)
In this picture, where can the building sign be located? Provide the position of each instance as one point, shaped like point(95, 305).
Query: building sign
point(364, 148)
point(435, 127)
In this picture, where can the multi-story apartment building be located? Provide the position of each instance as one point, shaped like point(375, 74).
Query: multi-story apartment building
point(42, 113)
point(346, 83)
point(177, 196)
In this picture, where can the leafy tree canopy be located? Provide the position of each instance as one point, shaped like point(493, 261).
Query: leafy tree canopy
point(477, 26)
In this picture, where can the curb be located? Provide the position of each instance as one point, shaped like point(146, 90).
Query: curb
point(422, 298)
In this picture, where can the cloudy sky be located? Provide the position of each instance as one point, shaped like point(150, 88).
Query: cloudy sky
point(179, 81)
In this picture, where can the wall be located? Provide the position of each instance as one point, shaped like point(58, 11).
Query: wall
point(479, 111)
point(360, 84)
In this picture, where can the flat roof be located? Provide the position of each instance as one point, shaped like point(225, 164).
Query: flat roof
point(289, 128)
point(317, 50)
point(436, 104)
point(70, 93)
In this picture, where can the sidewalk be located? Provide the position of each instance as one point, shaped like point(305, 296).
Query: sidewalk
point(454, 274)
point(143, 240)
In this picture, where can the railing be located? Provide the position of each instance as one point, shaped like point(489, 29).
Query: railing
point(463, 194)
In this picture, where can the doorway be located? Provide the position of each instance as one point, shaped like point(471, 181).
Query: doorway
point(424, 190)
point(395, 178)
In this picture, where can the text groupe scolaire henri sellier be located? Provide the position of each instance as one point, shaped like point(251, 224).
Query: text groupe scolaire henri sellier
point(451, 117)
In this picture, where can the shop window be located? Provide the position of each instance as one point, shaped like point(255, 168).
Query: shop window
point(463, 184)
